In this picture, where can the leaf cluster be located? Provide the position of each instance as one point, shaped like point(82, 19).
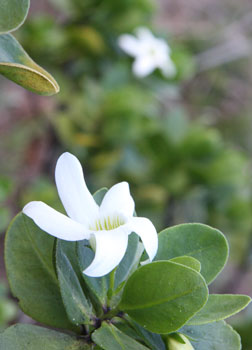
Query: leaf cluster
point(160, 305)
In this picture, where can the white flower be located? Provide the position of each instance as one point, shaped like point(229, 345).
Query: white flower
point(107, 227)
point(149, 52)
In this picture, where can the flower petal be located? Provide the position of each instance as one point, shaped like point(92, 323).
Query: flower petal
point(144, 228)
point(110, 249)
point(143, 66)
point(118, 199)
point(55, 223)
point(145, 35)
point(129, 44)
point(168, 68)
point(74, 194)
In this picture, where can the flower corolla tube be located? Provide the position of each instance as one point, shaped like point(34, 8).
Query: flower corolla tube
point(107, 226)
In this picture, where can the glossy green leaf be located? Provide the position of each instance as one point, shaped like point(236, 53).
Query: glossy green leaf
point(188, 261)
point(213, 336)
point(12, 14)
point(125, 327)
point(31, 272)
point(128, 326)
point(163, 295)
point(97, 285)
point(78, 307)
point(30, 337)
point(16, 65)
point(108, 337)
point(202, 242)
point(152, 340)
point(219, 307)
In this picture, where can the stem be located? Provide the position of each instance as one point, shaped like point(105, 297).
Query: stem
point(111, 285)
point(110, 314)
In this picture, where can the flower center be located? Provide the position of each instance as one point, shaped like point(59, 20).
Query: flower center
point(107, 223)
point(153, 52)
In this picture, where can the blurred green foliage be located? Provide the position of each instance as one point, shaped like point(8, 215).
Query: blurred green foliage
point(8, 310)
point(6, 186)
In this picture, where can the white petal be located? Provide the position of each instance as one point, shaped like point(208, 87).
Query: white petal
point(168, 68)
point(144, 228)
point(144, 34)
point(163, 47)
point(74, 194)
point(55, 223)
point(118, 199)
point(129, 44)
point(143, 66)
point(110, 249)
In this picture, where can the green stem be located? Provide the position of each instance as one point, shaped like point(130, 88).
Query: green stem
point(111, 286)
point(112, 313)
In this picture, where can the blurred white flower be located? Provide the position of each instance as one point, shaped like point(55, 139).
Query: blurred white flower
point(149, 52)
point(107, 227)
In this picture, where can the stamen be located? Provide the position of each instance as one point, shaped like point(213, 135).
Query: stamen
point(107, 223)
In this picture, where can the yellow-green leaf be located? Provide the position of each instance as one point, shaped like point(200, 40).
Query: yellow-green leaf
point(219, 307)
point(16, 65)
point(12, 14)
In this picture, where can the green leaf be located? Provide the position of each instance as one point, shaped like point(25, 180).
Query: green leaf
point(163, 295)
point(31, 273)
point(213, 336)
point(152, 340)
point(108, 337)
point(188, 261)
point(98, 195)
point(30, 337)
point(125, 327)
point(97, 285)
point(78, 307)
point(70, 249)
point(202, 242)
point(12, 14)
point(16, 65)
point(134, 330)
point(219, 307)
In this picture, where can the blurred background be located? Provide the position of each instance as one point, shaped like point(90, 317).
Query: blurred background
point(184, 144)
